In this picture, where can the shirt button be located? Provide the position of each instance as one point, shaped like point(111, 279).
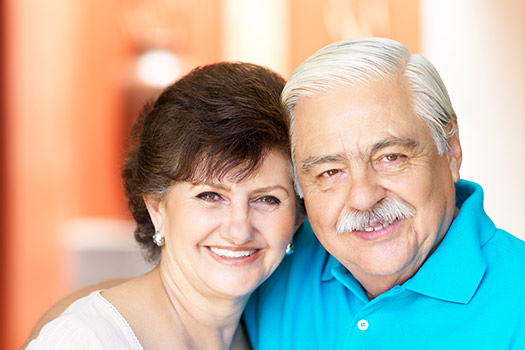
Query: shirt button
point(362, 325)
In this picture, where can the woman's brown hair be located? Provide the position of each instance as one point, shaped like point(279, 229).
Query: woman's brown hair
point(219, 121)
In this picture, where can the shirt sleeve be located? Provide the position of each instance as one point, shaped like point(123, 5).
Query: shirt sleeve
point(65, 333)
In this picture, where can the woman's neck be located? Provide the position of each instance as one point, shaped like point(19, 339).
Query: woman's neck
point(167, 315)
point(207, 321)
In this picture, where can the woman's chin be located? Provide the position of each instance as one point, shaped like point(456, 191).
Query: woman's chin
point(234, 286)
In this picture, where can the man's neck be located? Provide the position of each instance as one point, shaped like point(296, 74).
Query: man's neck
point(375, 285)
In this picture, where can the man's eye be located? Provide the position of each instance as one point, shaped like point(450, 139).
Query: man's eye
point(391, 162)
point(330, 172)
point(209, 196)
point(269, 200)
point(391, 157)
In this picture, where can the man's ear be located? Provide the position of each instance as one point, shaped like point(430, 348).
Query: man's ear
point(300, 213)
point(454, 153)
point(299, 218)
point(155, 207)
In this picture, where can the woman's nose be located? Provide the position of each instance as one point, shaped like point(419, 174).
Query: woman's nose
point(238, 229)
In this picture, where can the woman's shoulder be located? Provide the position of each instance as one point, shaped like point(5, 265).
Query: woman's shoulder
point(91, 322)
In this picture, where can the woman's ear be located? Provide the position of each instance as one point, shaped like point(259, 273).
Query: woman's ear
point(155, 207)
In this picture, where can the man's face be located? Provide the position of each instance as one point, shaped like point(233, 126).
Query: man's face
point(358, 147)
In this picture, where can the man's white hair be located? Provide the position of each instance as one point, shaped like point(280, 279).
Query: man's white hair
point(358, 61)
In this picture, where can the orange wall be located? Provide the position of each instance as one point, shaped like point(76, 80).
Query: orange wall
point(3, 185)
point(61, 154)
point(309, 24)
point(65, 68)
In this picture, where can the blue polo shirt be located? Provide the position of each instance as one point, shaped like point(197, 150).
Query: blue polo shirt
point(469, 294)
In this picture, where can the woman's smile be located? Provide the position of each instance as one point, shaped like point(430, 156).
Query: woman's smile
point(235, 255)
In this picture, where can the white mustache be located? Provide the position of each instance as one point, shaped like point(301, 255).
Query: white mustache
point(384, 212)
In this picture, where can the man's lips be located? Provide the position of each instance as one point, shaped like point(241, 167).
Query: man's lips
point(378, 227)
point(372, 233)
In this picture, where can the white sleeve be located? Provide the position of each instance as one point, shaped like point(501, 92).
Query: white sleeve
point(65, 333)
point(89, 323)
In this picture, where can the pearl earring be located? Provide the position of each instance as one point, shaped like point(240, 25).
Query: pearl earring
point(289, 248)
point(158, 239)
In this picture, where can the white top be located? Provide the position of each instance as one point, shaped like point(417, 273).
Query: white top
point(91, 322)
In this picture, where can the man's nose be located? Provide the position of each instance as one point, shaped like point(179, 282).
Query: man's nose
point(238, 228)
point(364, 190)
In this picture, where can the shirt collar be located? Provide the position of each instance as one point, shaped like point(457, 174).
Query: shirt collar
point(455, 269)
point(333, 269)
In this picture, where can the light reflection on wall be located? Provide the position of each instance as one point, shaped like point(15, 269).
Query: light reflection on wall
point(257, 32)
point(346, 19)
point(479, 49)
point(158, 67)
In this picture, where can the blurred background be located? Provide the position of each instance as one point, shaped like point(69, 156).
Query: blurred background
point(75, 73)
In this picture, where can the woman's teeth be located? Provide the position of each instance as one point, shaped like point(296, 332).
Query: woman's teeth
point(232, 254)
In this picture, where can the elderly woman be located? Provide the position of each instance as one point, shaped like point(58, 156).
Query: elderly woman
point(209, 186)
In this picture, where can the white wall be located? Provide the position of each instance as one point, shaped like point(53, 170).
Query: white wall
point(256, 31)
point(478, 46)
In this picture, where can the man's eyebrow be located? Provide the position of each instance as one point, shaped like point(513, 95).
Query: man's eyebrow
point(310, 162)
point(405, 142)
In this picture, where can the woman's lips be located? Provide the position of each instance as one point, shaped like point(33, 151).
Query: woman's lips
point(232, 254)
point(237, 256)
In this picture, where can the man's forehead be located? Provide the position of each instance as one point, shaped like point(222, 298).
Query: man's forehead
point(360, 115)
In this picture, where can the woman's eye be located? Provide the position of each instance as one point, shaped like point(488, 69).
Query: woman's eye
point(209, 196)
point(269, 200)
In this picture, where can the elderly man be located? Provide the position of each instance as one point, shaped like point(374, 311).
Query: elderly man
point(403, 254)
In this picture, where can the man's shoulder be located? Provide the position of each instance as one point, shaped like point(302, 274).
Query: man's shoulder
point(504, 276)
point(505, 253)
point(506, 243)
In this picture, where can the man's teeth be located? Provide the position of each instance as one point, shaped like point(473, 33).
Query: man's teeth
point(231, 254)
point(377, 228)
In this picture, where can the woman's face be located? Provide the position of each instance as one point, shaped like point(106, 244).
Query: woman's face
point(226, 238)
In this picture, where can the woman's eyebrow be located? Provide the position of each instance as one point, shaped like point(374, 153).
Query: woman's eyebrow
point(212, 184)
point(270, 188)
